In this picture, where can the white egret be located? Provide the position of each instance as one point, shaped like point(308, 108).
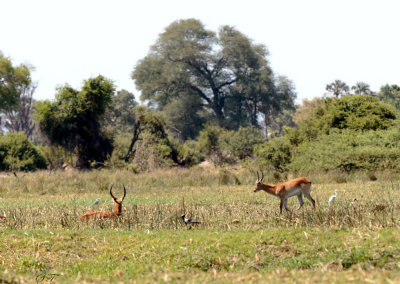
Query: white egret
point(333, 197)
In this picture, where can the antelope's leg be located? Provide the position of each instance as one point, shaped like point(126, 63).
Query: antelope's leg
point(300, 198)
point(286, 207)
point(308, 196)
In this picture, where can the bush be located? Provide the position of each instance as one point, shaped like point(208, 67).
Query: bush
point(56, 156)
point(17, 153)
point(121, 145)
point(349, 151)
point(275, 154)
point(189, 153)
point(241, 143)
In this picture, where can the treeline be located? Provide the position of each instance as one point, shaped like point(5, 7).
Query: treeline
point(204, 96)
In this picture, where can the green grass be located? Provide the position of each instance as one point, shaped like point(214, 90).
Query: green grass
point(203, 255)
point(242, 236)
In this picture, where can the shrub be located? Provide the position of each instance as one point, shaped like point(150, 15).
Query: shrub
point(189, 153)
point(241, 143)
point(275, 154)
point(349, 151)
point(18, 153)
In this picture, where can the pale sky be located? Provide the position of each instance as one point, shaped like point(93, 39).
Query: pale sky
point(311, 42)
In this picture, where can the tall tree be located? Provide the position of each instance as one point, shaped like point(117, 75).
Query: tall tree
point(337, 88)
point(121, 114)
point(279, 109)
point(218, 68)
point(73, 120)
point(361, 88)
point(14, 81)
point(21, 118)
point(185, 116)
point(390, 94)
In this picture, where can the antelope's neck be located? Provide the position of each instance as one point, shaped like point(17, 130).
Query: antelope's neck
point(269, 189)
point(118, 208)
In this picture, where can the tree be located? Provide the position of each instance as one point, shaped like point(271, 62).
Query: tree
point(361, 88)
point(278, 111)
point(73, 120)
point(219, 68)
point(306, 109)
point(185, 117)
point(21, 118)
point(121, 114)
point(337, 88)
point(14, 81)
point(150, 147)
point(390, 94)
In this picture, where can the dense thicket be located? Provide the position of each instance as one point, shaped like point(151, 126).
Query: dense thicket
point(73, 120)
point(349, 133)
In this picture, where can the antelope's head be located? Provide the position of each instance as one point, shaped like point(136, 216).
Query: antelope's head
point(259, 182)
point(117, 201)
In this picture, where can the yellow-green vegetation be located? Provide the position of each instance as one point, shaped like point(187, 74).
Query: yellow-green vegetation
point(242, 236)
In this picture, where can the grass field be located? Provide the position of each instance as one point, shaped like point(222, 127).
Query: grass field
point(242, 236)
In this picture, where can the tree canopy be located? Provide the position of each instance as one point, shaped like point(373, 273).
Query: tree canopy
point(14, 82)
point(228, 73)
point(73, 120)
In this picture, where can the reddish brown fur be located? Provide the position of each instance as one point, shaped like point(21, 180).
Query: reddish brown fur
point(284, 190)
point(2, 217)
point(107, 214)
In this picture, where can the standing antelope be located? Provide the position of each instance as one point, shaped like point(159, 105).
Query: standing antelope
point(107, 214)
point(287, 189)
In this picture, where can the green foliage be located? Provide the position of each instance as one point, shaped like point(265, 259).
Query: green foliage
point(229, 75)
point(346, 134)
point(242, 142)
point(211, 144)
point(56, 156)
point(227, 146)
point(73, 120)
point(353, 112)
point(152, 149)
point(17, 153)
point(13, 81)
point(185, 116)
point(121, 146)
point(349, 151)
point(189, 153)
point(390, 94)
point(358, 113)
point(337, 88)
point(275, 154)
point(121, 114)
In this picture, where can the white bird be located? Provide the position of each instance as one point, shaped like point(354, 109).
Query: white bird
point(96, 201)
point(333, 197)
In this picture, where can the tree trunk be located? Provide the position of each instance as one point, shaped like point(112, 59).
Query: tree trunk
point(136, 132)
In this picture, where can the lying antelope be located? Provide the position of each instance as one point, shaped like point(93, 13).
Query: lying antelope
point(107, 214)
point(284, 190)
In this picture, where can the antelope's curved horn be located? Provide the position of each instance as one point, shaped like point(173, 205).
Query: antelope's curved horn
point(112, 195)
point(124, 194)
